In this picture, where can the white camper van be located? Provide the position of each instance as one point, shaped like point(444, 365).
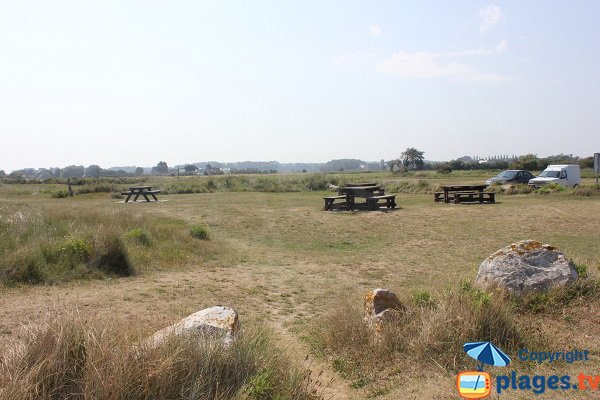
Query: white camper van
point(567, 175)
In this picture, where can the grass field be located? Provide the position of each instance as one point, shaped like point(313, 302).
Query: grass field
point(281, 261)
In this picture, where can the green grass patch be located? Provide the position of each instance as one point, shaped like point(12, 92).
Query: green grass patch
point(199, 232)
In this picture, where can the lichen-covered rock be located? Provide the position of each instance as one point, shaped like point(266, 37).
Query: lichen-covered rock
point(381, 305)
point(214, 322)
point(526, 266)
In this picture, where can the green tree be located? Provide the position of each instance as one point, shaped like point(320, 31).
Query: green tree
point(160, 169)
point(529, 162)
point(72, 171)
point(93, 171)
point(413, 158)
point(587, 162)
point(2, 173)
point(139, 171)
point(190, 168)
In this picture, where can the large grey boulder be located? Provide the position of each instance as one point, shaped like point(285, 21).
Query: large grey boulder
point(526, 266)
point(381, 305)
point(214, 322)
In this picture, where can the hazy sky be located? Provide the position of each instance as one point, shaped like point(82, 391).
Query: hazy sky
point(135, 82)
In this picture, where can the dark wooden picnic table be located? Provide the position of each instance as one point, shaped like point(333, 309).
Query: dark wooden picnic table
point(450, 189)
point(371, 192)
point(138, 191)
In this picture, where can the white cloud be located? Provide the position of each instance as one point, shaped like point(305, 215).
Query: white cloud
point(429, 65)
point(497, 49)
point(501, 46)
point(425, 65)
point(490, 16)
point(375, 30)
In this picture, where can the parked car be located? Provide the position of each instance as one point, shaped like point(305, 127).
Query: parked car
point(567, 175)
point(511, 176)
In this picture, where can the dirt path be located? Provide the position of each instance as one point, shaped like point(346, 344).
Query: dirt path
point(151, 302)
point(331, 385)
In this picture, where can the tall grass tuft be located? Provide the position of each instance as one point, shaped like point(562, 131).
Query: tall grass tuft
point(111, 256)
point(431, 329)
point(46, 245)
point(199, 232)
point(69, 358)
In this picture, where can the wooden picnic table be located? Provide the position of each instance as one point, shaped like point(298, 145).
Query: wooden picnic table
point(449, 190)
point(138, 191)
point(371, 192)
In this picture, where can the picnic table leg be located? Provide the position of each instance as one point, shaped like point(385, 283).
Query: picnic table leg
point(136, 197)
point(349, 202)
point(128, 197)
point(154, 196)
point(446, 199)
point(146, 197)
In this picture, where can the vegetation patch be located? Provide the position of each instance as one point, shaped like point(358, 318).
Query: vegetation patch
point(140, 236)
point(199, 232)
point(40, 245)
point(70, 358)
point(428, 330)
point(583, 289)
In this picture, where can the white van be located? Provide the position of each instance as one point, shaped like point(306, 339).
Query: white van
point(567, 175)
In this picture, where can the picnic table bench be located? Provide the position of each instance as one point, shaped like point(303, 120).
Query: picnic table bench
point(464, 194)
point(369, 191)
point(471, 197)
point(138, 191)
point(389, 198)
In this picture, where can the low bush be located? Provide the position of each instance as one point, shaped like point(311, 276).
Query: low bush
point(550, 188)
point(583, 289)
point(423, 298)
point(71, 358)
point(95, 188)
point(519, 189)
point(586, 190)
point(139, 236)
point(199, 232)
point(110, 256)
point(59, 194)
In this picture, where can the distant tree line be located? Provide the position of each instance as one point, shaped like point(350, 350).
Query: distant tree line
point(409, 160)
point(529, 162)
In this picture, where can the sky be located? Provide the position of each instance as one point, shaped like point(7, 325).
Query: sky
point(137, 82)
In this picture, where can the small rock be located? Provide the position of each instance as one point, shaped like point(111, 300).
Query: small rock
point(381, 305)
point(211, 322)
point(526, 266)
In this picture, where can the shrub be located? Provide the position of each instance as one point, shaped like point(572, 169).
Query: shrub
point(444, 169)
point(581, 270)
point(199, 232)
point(140, 236)
point(59, 194)
point(111, 256)
point(550, 188)
point(69, 252)
point(423, 298)
point(587, 191)
point(555, 299)
point(519, 189)
point(24, 266)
